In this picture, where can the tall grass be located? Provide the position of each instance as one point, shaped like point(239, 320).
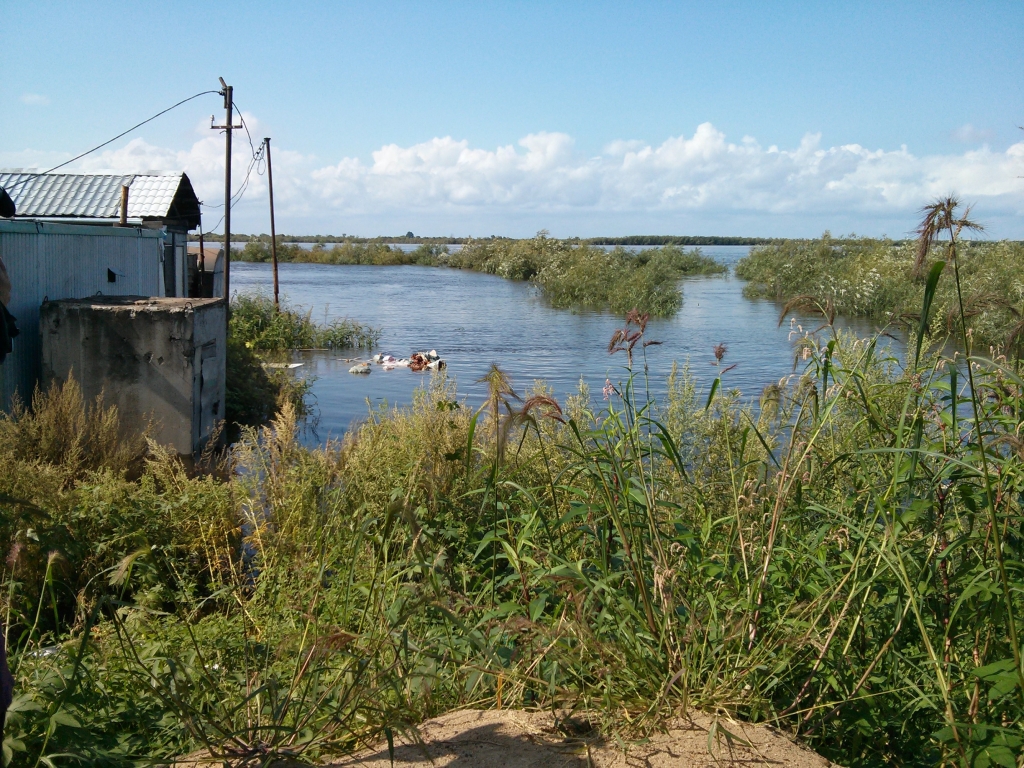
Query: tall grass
point(883, 280)
point(843, 561)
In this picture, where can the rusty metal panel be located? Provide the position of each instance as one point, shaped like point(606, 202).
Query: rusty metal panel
point(60, 261)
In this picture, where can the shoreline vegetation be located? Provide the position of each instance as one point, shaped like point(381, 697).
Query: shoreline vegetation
point(885, 281)
point(569, 274)
point(410, 239)
point(260, 334)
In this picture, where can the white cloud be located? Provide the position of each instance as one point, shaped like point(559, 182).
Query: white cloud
point(703, 172)
point(701, 183)
point(34, 99)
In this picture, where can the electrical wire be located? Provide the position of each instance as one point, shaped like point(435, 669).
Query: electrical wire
point(258, 155)
point(257, 159)
point(241, 117)
point(110, 141)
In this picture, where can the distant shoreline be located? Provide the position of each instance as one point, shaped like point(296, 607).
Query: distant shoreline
point(627, 240)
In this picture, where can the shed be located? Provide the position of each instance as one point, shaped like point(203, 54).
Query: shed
point(156, 200)
point(48, 261)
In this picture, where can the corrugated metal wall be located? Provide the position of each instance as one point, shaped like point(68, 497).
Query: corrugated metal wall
point(67, 261)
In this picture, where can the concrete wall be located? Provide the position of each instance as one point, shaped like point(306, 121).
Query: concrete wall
point(59, 261)
point(157, 359)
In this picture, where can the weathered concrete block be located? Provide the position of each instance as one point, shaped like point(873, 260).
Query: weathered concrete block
point(159, 359)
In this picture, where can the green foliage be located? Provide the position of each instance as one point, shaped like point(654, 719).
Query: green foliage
point(677, 240)
point(842, 562)
point(368, 253)
point(578, 276)
point(863, 277)
point(262, 327)
point(254, 393)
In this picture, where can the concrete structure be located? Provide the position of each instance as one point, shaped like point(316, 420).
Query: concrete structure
point(155, 200)
point(59, 261)
point(159, 359)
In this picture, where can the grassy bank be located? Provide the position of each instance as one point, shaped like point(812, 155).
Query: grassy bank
point(571, 275)
point(863, 277)
point(844, 563)
point(259, 333)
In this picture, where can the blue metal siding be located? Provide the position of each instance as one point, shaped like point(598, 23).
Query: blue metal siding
point(61, 261)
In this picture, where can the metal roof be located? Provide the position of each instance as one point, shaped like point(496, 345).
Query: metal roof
point(98, 196)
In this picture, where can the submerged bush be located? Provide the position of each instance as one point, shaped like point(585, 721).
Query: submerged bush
point(262, 327)
point(864, 277)
point(368, 254)
point(580, 276)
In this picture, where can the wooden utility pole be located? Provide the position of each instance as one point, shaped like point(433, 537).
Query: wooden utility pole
point(228, 127)
point(273, 232)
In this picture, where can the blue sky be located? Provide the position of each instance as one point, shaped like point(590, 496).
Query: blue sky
point(581, 118)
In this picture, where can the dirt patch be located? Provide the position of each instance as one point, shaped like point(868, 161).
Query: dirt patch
point(516, 739)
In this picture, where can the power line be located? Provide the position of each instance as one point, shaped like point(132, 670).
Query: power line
point(252, 147)
point(110, 141)
point(257, 158)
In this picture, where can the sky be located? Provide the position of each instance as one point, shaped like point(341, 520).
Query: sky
point(581, 118)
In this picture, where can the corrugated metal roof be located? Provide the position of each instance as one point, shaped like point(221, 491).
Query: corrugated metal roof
point(91, 196)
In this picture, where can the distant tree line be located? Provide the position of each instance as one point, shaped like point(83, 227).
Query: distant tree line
point(680, 240)
point(328, 239)
point(452, 240)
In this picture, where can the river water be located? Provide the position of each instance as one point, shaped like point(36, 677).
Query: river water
point(473, 319)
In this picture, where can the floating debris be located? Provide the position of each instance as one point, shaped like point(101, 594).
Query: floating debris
point(287, 366)
point(360, 368)
point(418, 361)
point(421, 361)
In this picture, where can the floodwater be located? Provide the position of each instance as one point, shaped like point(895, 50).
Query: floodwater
point(473, 320)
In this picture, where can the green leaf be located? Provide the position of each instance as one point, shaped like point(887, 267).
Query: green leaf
point(24, 703)
point(926, 307)
point(63, 718)
point(711, 394)
point(996, 670)
point(999, 755)
point(537, 606)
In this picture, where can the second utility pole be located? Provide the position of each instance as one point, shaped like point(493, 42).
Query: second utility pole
point(273, 232)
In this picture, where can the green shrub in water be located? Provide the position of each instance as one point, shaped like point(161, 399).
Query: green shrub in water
point(575, 276)
point(262, 327)
point(880, 279)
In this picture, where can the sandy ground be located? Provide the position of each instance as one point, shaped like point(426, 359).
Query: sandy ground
point(516, 739)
